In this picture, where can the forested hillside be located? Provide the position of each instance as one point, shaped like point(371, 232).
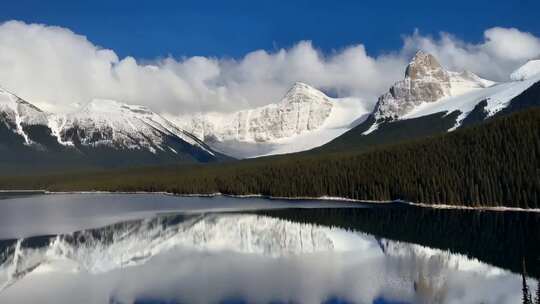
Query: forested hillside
point(493, 164)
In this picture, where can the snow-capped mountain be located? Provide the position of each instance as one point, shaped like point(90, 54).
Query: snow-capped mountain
point(113, 124)
point(136, 242)
point(426, 81)
point(431, 100)
point(304, 118)
point(101, 132)
point(428, 88)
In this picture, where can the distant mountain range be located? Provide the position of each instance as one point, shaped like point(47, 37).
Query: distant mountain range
point(106, 133)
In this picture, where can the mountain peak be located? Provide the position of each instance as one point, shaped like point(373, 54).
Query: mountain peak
point(425, 81)
point(424, 64)
point(301, 85)
point(303, 93)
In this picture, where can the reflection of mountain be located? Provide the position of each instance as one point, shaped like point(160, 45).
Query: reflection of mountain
point(135, 242)
point(247, 251)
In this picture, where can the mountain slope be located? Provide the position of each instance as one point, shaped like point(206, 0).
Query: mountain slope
point(16, 114)
point(115, 129)
point(305, 118)
point(102, 133)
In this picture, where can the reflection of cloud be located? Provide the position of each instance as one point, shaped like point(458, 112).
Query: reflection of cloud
point(215, 261)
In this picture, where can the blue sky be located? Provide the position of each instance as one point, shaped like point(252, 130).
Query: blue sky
point(150, 29)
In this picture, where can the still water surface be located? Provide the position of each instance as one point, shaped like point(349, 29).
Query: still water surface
point(111, 248)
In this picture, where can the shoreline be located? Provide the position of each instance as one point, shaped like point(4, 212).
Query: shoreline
point(298, 198)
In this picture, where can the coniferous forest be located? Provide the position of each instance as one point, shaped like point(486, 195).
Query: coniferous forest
point(492, 164)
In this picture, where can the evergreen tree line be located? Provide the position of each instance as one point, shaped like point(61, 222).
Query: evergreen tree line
point(492, 164)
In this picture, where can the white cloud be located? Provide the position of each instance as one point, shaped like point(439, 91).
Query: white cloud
point(502, 51)
point(54, 67)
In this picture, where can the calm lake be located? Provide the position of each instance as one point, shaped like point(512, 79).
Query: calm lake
point(152, 248)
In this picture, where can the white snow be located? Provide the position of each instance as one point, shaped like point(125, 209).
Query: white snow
point(465, 82)
point(528, 70)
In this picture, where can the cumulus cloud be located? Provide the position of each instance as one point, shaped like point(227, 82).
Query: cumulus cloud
point(55, 68)
point(502, 51)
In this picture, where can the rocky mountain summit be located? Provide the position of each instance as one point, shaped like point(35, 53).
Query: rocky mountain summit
point(303, 108)
point(303, 119)
point(431, 100)
point(425, 81)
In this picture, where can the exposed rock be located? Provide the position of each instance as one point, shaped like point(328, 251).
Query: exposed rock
point(303, 108)
point(425, 81)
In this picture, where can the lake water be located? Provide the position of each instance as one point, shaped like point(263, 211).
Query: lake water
point(149, 248)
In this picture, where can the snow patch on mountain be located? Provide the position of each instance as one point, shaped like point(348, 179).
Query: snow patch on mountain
point(529, 70)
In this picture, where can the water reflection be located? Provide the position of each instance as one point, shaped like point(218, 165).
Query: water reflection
point(246, 258)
